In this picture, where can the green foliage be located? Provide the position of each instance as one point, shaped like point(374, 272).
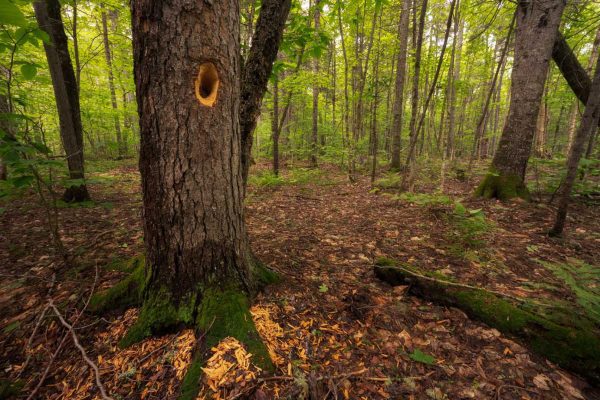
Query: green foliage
point(418, 356)
point(469, 226)
point(584, 281)
point(295, 176)
point(424, 199)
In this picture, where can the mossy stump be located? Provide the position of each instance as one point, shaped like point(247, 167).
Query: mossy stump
point(214, 312)
point(502, 187)
point(568, 346)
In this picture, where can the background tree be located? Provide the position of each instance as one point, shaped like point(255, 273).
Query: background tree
point(49, 18)
point(536, 29)
point(589, 123)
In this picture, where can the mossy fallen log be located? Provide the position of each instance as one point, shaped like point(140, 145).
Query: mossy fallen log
point(570, 346)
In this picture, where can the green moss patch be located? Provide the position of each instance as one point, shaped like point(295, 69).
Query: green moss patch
point(502, 187)
point(10, 389)
point(126, 293)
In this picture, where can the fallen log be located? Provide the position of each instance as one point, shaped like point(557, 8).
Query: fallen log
point(575, 347)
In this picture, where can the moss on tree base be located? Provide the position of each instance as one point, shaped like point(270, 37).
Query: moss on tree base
point(126, 293)
point(502, 187)
point(215, 313)
point(567, 345)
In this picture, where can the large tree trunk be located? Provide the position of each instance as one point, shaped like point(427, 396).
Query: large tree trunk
point(589, 122)
point(257, 69)
point(122, 149)
point(66, 93)
point(535, 33)
point(400, 79)
point(198, 270)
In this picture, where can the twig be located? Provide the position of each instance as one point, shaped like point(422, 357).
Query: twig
point(64, 339)
point(30, 341)
point(82, 351)
point(497, 397)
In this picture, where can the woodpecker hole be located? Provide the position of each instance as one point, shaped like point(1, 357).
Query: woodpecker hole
point(207, 84)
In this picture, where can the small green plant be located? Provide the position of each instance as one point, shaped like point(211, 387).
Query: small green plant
point(470, 226)
point(389, 181)
point(424, 199)
point(424, 358)
point(267, 179)
point(584, 281)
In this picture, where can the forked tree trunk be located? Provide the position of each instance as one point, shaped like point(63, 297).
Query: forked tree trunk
point(537, 24)
point(589, 122)
point(66, 93)
point(400, 79)
point(199, 270)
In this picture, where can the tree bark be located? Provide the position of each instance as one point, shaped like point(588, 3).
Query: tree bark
point(122, 148)
point(257, 69)
point(537, 24)
point(275, 126)
point(4, 126)
point(417, 46)
point(49, 18)
point(314, 139)
point(589, 122)
point(400, 79)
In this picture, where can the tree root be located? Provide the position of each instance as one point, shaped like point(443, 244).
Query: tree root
point(568, 346)
point(215, 313)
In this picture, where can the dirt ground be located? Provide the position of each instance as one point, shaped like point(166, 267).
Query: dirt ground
point(332, 328)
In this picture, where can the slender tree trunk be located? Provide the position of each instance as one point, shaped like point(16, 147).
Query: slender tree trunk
point(589, 122)
point(479, 130)
point(346, 95)
point(417, 46)
point(411, 149)
point(593, 56)
point(76, 45)
point(314, 142)
point(49, 18)
point(4, 126)
point(537, 24)
point(374, 134)
point(257, 69)
point(275, 126)
point(557, 129)
point(573, 116)
point(459, 27)
point(111, 86)
point(400, 79)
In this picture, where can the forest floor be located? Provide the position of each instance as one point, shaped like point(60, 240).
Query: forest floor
point(333, 329)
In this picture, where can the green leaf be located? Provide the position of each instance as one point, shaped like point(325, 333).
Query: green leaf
point(323, 288)
point(29, 71)
point(10, 14)
point(418, 356)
